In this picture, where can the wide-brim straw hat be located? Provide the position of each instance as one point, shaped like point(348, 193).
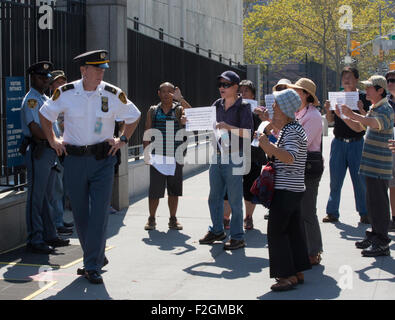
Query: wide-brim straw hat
point(307, 85)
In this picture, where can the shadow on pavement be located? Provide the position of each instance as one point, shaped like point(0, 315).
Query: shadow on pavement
point(81, 289)
point(386, 264)
point(170, 240)
point(255, 239)
point(236, 263)
point(352, 233)
point(316, 286)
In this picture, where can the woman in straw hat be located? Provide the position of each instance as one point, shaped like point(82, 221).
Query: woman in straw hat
point(310, 118)
point(287, 246)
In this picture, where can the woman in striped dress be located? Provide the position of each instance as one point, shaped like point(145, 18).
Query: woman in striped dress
point(287, 247)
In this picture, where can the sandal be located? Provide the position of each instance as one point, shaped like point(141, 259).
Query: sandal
point(284, 284)
point(314, 260)
point(300, 277)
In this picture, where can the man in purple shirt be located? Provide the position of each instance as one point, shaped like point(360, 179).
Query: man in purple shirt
point(234, 121)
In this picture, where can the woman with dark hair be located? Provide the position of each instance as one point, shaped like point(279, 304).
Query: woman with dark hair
point(310, 118)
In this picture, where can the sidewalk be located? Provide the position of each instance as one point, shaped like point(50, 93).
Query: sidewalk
point(171, 265)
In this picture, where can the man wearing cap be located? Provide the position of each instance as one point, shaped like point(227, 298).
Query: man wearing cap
point(234, 119)
point(90, 108)
point(39, 159)
point(376, 163)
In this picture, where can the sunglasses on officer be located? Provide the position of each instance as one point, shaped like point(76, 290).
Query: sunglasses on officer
point(392, 80)
point(225, 85)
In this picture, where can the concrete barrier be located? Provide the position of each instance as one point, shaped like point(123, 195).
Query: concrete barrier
point(12, 219)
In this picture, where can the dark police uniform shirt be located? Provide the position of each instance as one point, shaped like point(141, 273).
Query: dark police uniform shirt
point(342, 130)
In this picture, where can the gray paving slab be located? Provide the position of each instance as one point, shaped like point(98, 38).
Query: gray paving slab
point(171, 265)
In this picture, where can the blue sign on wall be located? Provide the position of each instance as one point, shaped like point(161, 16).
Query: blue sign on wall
point(15, 91)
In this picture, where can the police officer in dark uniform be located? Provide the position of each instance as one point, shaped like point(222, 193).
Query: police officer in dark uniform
point(39, 160)
point(90, 108)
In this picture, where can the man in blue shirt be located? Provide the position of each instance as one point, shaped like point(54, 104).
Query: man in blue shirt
point(234, 121)
point(39, 159)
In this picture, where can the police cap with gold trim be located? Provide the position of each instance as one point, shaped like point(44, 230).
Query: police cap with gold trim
point(97, 58)
point(41, 68)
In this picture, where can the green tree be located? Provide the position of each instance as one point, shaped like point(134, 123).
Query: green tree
point(284, 31)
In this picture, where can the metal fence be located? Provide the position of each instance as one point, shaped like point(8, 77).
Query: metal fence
point(307, 69)
point(24, 42)
point(152, 61)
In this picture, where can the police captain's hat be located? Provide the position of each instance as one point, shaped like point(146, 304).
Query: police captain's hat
point(41, 68)
point(97, 58)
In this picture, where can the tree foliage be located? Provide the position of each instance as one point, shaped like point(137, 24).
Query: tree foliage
point(284, 31)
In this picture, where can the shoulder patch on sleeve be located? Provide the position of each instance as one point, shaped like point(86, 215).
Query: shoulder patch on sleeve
point(110, 89)
point(56, 95)
point(122, 97)
point(32, 103)
point(67, 87)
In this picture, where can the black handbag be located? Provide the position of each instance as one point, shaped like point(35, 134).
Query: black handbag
point(314, 164)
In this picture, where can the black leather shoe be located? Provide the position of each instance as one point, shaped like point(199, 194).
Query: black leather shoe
point(41, 248)
point(58, 242)
point(376, 250)
point(364, 244)
point(93, 277)
point(81, 271)
point(68, 225)
point(234, 244)
point(64, 231)
point(330, 218)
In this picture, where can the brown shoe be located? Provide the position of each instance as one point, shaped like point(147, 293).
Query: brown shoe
point(248, 223)
point(234, 244)
point(173, 224)
point(210, 238)
point(285, 284)
point(330, 218)
point(151, 224)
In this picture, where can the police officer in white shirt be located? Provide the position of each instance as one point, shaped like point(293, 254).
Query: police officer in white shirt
point(90, 108)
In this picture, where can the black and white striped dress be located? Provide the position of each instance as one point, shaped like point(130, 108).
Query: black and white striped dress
point(290, 177)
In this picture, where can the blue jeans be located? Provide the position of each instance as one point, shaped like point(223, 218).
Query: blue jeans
point(346, 155)
point(222, 179)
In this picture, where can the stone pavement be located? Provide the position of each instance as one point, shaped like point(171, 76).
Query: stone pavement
point(171, 265)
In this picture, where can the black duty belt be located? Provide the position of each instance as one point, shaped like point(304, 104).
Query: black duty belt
point(100, 149)
point(41, 142)
point(348, 140)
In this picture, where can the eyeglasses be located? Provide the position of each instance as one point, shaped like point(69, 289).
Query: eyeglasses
point(225, 85)
point(391, 80)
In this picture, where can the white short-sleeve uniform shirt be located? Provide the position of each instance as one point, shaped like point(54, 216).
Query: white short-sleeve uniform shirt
point(89, 116)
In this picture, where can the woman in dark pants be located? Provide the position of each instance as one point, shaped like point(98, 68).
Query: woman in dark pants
point(310, 118)
point(288, 255)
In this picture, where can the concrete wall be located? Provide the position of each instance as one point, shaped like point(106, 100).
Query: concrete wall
point(13, 230)
point(215, 25)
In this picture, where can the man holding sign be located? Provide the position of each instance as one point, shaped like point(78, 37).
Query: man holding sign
point(346, 151)
point(376, 164)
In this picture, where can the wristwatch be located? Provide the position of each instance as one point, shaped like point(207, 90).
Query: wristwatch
point(123, 138)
